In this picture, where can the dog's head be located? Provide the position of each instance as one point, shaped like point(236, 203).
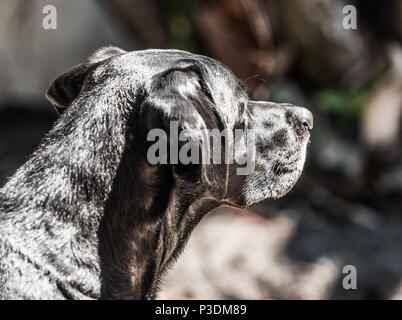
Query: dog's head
point(263, 144)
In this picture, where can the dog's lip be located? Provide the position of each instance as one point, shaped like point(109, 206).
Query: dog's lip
point(287, 167)
point(282, 194)
point(286, 191)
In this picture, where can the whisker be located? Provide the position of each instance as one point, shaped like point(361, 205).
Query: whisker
point(257, 76)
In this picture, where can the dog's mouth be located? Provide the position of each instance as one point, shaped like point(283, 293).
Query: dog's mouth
point(286, 172)
point(280, 169)
point(289, 172)
point(285, 178)
point(271, 178)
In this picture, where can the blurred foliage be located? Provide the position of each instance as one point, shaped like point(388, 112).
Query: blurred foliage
point(350, 104)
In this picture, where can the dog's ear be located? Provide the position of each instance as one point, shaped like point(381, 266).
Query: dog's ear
point(182, 95)
point(65, 88)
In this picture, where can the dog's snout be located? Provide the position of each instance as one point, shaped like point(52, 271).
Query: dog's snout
point(300, 118)
point(306, 118)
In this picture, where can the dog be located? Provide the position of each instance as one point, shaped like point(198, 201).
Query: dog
point(88, 217)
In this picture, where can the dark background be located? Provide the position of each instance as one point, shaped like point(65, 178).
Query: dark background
point(346, 209)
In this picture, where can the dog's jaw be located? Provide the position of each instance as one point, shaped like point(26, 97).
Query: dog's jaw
point(293, 176)
point(271, 185)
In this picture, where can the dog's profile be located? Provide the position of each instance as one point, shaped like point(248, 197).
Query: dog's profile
point(87, 216)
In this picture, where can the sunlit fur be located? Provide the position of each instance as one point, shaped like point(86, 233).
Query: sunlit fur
point(87, 217)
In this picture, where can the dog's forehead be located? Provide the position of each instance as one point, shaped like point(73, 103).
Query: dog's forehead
point(225, 88)
point(154, 61)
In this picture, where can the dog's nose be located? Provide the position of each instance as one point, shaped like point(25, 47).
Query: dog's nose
point(299, 118)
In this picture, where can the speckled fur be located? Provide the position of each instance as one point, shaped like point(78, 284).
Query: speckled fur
point(87, 217)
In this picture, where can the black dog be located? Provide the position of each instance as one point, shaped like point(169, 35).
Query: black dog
point(89, 217)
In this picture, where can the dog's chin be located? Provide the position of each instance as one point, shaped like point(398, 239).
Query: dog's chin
point(279, 189)
point(287, 182)
point(280, 184)
point(274, 190)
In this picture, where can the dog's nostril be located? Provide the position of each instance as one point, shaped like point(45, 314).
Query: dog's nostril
point(300, 118)
point(308, 120)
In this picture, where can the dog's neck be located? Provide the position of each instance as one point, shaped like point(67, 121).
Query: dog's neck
point(144, 228)
point(110, 222)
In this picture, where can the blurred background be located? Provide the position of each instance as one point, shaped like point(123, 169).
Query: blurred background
point(347, 207)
